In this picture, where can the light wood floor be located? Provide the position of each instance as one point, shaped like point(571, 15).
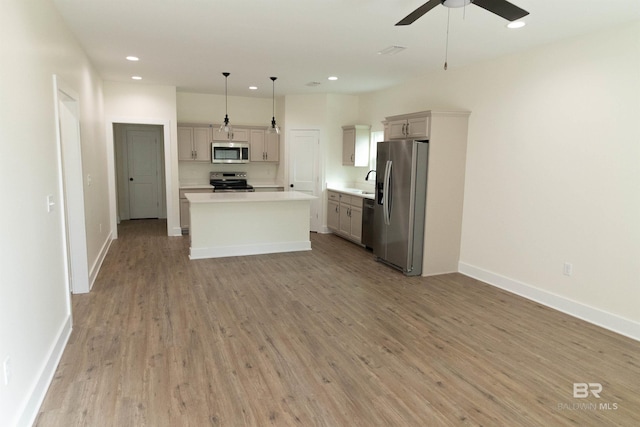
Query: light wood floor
point(323, 338)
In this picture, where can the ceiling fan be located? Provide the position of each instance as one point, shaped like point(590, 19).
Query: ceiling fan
point(502, 8)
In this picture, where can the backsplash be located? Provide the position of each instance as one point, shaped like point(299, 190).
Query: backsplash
point(191, 173)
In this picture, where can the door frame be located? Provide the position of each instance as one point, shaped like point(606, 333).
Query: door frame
point(173, 209)
point(71, 187)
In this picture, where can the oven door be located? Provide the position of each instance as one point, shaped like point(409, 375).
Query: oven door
point(229, 152)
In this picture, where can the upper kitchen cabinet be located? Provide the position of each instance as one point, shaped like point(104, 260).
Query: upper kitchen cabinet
point(355, 145)
point(265, 146)
point(407, 126)
point(236, 134)
point(194, 143)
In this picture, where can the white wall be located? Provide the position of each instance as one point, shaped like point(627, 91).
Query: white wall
point(552, 170)
point(140, 103)
point(34, 297)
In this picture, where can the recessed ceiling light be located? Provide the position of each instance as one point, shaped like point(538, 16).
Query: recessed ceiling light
point(253, 87)
point(136, 77)
point(132, 58)
point(516, 24)
point(332, 78)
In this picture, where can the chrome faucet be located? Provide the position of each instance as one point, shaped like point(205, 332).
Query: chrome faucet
point(366, 178)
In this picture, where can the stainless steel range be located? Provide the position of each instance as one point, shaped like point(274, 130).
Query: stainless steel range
point(229, 182)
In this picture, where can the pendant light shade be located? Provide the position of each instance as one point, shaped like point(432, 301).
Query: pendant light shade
point(225, 127)
point(274, 127)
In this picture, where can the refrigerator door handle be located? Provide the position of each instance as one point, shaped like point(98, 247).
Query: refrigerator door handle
point(386, 195)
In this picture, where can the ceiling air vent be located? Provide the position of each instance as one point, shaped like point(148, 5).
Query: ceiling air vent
point(391, 50)
point(313, 84)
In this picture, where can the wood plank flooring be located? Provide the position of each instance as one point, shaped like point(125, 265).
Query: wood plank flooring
point(323, 338)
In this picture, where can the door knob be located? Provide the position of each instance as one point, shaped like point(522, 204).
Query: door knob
point(291, 185)
point(130, 179)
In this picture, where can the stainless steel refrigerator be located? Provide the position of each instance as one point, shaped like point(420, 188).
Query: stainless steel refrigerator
point(399, 212)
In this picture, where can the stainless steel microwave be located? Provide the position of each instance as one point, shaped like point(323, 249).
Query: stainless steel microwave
point(229, 152)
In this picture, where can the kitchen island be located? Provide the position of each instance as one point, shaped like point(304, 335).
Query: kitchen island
point(236, 224)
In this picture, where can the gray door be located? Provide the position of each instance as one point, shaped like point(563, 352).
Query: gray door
point(143, 174)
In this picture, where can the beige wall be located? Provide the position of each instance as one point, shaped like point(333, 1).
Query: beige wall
point(34, 296)
point(552, 170)
point(208, 108)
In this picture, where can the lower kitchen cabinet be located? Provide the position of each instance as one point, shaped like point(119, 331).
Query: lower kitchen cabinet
point(333, 215)
point(344, 215)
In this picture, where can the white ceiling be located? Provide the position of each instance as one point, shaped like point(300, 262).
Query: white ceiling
point(189, 43)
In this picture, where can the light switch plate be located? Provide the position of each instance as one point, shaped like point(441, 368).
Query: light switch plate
point(50, 203)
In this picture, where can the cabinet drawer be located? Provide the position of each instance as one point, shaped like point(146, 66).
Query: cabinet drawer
point(332, 195)
point(344, 199)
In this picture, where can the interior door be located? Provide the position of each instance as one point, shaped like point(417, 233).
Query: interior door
point(68, 125)
point(304, 169)
point(142, 150)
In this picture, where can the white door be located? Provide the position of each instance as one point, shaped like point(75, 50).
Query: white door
point(304, 169)
point(72, 187)
point(144, 188)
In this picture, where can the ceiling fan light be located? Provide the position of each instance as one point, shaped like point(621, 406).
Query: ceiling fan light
point(516, 24)
point(456, 3)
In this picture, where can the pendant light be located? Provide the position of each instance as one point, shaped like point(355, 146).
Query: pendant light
point(225, 127)
point(274, 127)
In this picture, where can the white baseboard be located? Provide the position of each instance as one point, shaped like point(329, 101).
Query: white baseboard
point(254, 249)
point(612, 322)
point(176, 232)
point(31, 408)
point(95, 268)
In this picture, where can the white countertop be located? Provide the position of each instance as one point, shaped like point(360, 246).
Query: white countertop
point(365, 194)
point(248, 197)
point(195, 186)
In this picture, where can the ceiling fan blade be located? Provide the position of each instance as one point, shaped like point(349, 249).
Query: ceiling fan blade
point(413, 16)
point(502, 8)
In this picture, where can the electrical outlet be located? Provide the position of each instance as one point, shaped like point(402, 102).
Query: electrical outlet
point(6, 370)
point(567, 269)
